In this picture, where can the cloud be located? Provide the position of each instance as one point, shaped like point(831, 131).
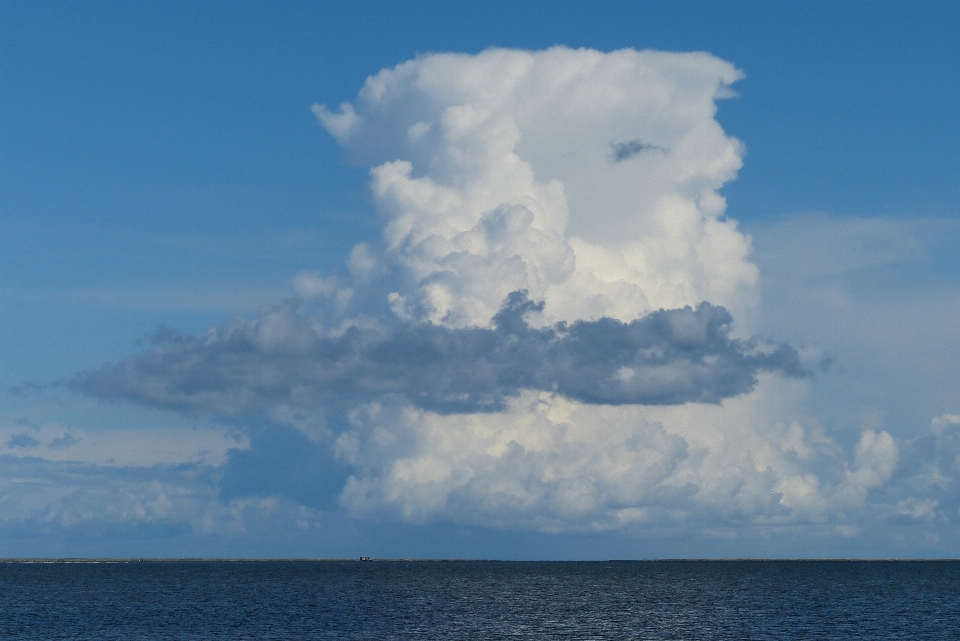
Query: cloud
point(559, 465)
point(494, 187)
point(122, 447)
point(23, 389)
point(44, 503)
point(22, 441)
point(114, 491)
point(885, 295)
point(491, 174)
point(311, 285)
point(626, 150)
point(553, 330)
point(667, 357)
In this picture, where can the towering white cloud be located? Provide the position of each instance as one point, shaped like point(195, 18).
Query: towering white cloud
point(588, 179)
point(558, 346)
point(591, 181)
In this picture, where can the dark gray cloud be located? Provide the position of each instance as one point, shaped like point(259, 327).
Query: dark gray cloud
point(667, 357)
point(626, 150)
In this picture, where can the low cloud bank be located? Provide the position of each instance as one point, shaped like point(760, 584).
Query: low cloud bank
point(668, 357)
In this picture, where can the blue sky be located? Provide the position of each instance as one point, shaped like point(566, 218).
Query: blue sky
point(164, 180)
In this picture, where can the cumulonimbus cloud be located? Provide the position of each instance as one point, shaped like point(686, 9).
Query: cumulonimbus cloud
point(627, 396)
point(665, 358)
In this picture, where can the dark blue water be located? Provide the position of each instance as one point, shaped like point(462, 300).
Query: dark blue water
point(480, 600)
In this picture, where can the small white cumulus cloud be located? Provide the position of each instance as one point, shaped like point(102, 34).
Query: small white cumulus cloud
point(941, 424)
point(875, 458)
point(309, 285)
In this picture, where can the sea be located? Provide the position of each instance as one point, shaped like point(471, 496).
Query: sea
point(479, 600)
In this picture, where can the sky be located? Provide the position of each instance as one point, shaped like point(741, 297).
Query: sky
point(505, 280)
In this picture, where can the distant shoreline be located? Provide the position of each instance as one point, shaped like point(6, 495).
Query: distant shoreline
point(90, 560)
